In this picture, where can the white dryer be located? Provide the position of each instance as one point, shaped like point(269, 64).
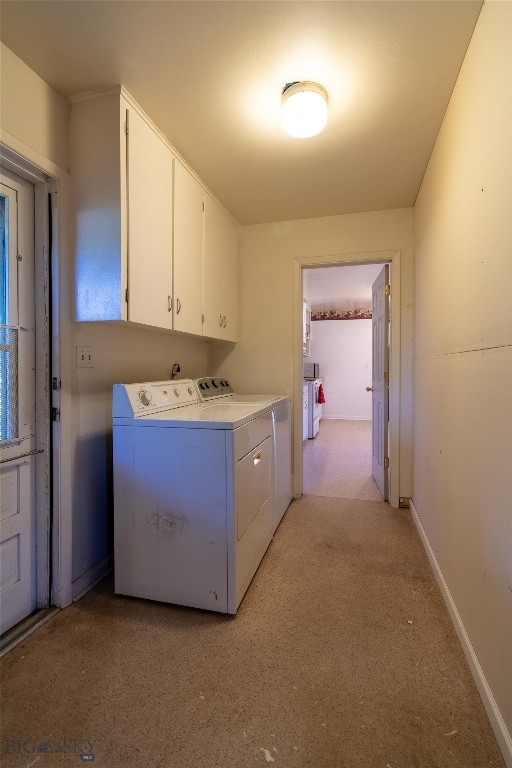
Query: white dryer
point(216, 389)
point(193, 503)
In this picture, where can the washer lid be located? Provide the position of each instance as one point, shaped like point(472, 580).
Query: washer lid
point(217, 415)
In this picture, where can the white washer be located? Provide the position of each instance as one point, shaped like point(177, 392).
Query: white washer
point(193, 502)
point(213, 389)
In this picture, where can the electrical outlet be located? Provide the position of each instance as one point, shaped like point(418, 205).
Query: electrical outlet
point(84, 357)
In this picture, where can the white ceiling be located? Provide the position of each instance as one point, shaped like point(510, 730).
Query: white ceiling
point(347, 287)
point(210, 74)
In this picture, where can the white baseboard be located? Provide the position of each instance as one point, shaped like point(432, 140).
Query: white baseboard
point(90, 578)
point(497, 723)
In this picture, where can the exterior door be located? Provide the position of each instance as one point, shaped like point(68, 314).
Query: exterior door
point(17, 402)
point(380, 381)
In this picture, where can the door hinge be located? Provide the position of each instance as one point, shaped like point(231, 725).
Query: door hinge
point(386, 462)
point(404, 502)
point(203, 205)
point(55, 414)
point(126, 296)
point(126, 128)
point(56, 383)
point(386, 376)
point(387, 290)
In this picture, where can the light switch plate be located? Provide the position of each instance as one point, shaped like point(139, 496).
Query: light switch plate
point(84, 357)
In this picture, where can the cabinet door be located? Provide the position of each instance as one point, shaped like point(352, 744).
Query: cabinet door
point(188, 251)
point(230, 284)
point(220, 274)
point(149, 183)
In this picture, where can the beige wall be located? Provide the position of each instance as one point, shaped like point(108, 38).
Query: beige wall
point(462, 487)
point(121, 354)
point(32, 114)
point(267, 255)
point(34, 124)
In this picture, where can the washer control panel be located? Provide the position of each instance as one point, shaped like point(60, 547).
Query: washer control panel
point(210, 387)
point(152, 397)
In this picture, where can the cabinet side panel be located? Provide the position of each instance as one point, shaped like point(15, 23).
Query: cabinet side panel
point(95, 167)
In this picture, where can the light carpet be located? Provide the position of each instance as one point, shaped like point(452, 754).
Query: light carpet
point(342, 655)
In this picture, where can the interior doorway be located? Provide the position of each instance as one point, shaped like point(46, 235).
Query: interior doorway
point(377, 260)
point(337, 460)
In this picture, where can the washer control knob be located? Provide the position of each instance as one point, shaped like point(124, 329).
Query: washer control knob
point(145, 396)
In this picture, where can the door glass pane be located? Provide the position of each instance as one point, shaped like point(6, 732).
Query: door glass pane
point(8, 339)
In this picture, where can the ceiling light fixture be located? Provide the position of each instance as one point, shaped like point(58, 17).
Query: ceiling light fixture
point(304, 109)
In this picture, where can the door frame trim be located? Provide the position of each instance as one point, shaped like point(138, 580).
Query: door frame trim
point(391, 257)
point(49, 179)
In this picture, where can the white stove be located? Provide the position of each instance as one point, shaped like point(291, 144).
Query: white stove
point(193, 493)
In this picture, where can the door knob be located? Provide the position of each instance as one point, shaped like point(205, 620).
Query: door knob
point(369, 389)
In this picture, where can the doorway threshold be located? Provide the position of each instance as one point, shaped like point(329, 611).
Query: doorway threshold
point(24, 628)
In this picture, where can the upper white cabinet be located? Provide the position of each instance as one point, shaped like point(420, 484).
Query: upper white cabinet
point(220, 302)
point(121, 199)
point(188, 251)
point(149, 175)
point(151, 245)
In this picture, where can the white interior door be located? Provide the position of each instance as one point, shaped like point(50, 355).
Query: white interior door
point(380, 380)
point(17, 402)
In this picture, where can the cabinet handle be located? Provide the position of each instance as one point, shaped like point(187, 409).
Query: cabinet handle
point(225, 321)
point(178, 306)
point(220, 320)
point(169, 303)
